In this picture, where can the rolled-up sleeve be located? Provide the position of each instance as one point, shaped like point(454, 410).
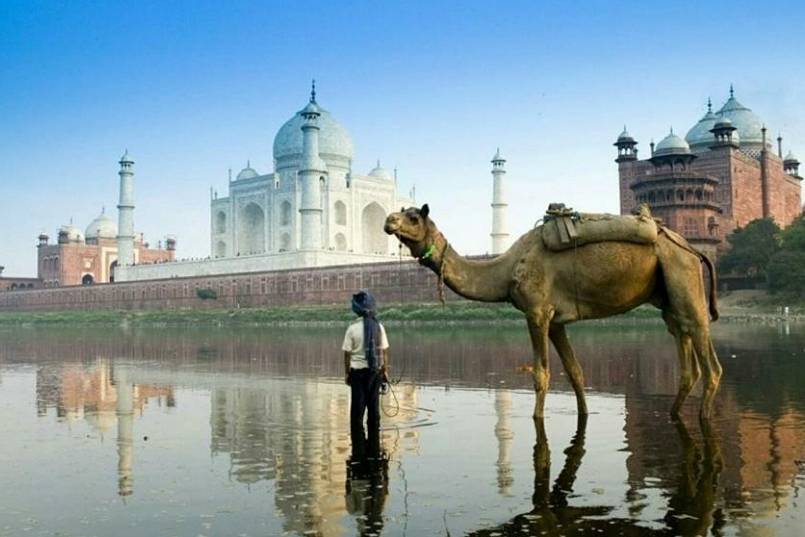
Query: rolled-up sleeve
point(347, 345)
point(384, 341)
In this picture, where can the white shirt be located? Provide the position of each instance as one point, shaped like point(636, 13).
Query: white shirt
point(353, 344)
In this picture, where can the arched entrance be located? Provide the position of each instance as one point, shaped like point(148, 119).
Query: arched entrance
point(251, 238)
point(87, 279)
point(375, 240)
point(220, 249)
point(112, 268)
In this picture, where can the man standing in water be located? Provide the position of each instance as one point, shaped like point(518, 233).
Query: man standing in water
point(365, 361)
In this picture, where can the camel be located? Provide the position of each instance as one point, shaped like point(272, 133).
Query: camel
point(592, 281)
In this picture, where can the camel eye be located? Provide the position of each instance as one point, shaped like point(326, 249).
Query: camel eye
point(414, 219)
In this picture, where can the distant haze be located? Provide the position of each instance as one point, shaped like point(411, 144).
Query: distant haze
point(192, 89)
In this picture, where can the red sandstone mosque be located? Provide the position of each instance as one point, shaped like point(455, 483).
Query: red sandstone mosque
point(722, 175)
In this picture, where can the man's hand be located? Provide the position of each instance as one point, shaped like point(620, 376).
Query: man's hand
point(346, 379)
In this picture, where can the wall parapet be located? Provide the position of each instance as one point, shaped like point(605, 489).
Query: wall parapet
point(391, 282)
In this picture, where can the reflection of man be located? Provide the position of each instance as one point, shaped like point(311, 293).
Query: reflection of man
point(367, 484)
point(365, 361)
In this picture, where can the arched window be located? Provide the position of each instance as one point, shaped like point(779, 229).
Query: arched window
point(220, 249)
point(340, 242)
point(285, 213)
point(220, 222)
point(340, 213)
point(87, 279)
point(285, 242)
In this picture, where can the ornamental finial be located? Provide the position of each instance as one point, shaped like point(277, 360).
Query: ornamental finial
point(732, 91)
point(709, 105)
point(313, 91)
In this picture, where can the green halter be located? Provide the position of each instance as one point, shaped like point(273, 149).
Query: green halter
point(429, 252)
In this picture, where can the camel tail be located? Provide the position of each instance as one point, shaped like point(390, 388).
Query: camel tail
point(712, 293)
point(682, 243)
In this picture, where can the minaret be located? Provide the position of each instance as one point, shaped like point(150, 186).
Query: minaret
point(500, 236)
point(125, 223)
point(310, 170)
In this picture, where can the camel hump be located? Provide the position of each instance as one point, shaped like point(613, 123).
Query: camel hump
point(565, 228)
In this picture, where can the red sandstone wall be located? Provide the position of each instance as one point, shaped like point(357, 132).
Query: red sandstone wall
point(390, 282)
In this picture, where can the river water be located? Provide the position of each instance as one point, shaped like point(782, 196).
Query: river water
point(237, 432)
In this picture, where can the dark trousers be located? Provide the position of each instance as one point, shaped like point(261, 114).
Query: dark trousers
point(365, 384)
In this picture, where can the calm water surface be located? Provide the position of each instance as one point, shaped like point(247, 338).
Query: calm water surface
point(209, 432)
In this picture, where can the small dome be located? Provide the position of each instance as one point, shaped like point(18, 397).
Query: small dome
point(624, 136)
point(247, 173)
point(380, 173)
point(498, 157)
point(126, 157)
point(102, 227)
point(311, 108)
point(672, 145)
point(72, 232)
point(723, 123)
point(790, 157)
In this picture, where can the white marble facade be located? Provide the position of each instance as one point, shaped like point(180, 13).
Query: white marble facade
point(261, 213)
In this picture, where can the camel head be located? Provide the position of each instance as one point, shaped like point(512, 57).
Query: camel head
point(413, 228)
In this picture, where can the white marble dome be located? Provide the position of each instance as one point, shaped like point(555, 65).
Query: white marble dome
point(671, 145)
point(747, 123)
point(247, 173)
point(334, 140)
point(73, 233)
point(102, 227)
point(699, 136)
point(378, 172)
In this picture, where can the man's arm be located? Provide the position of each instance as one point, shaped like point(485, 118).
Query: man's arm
point(385, 361)
point(347, 360)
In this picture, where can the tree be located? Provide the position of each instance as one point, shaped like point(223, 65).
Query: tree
point(793, 237)
point(786, 273)
point(751, 248)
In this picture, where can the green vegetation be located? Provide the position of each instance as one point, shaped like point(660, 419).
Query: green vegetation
point(458, 312)
point(762, 250)
point(751, 248)
point(205, 293)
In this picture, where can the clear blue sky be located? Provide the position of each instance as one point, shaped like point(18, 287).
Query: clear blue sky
point(193, 88)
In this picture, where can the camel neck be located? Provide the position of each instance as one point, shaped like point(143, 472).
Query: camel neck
point(485, 280)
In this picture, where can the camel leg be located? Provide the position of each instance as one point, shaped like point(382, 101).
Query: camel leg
point(689, 371)
point(711, 369)
point(558, 336)
point(538, 329)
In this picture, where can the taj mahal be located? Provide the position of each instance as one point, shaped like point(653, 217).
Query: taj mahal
point(313, 210)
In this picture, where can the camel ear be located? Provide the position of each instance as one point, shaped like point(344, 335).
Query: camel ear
point(424, 211)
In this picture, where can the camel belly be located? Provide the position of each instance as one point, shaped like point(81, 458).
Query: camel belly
point(602, 279)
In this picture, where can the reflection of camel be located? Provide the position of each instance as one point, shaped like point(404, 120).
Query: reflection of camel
point(591, 281)
point(691, 505)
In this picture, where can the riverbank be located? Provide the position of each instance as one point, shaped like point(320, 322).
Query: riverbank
point(456, 312)
point(738, 307)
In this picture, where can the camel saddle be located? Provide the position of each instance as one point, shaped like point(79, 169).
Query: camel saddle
point(564, 228)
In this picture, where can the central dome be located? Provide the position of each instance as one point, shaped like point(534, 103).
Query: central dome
point(749, 125)
point(699, 136)
point(335, 143)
